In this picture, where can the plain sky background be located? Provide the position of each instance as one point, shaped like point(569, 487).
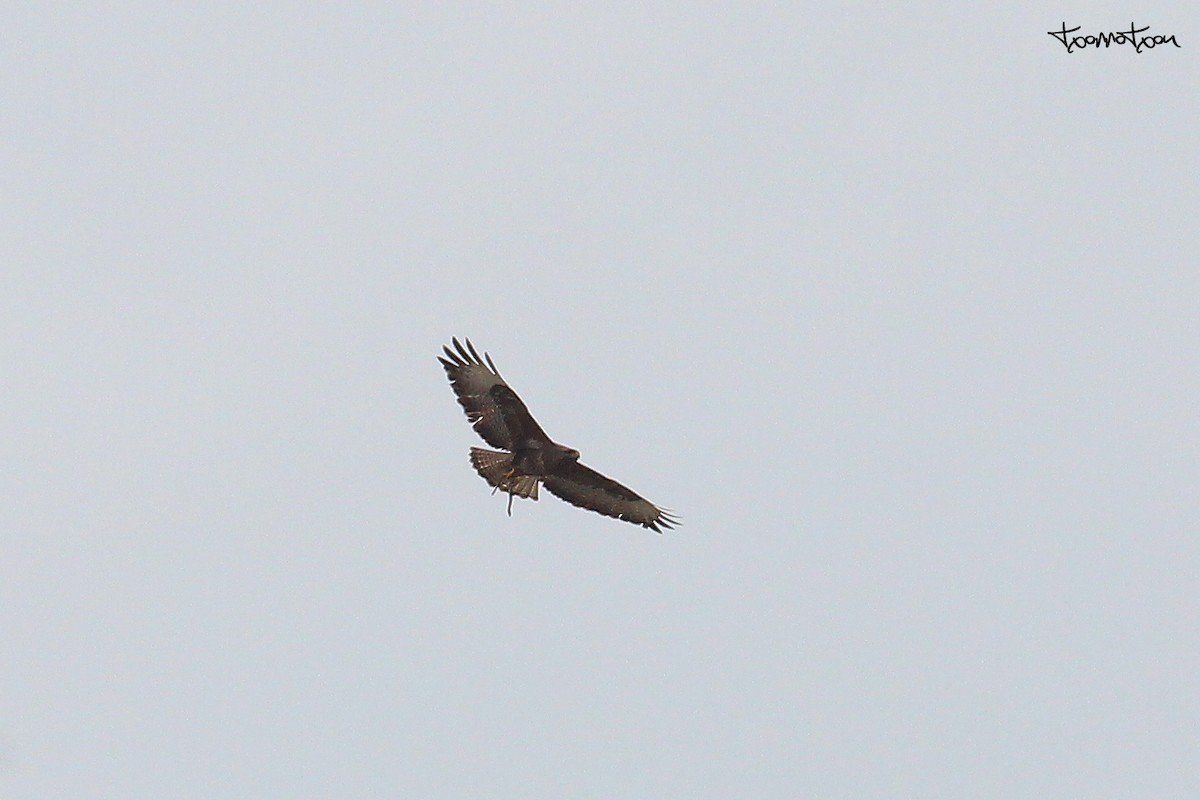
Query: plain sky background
point(896, 306)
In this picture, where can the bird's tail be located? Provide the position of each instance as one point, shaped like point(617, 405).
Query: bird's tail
point(494, 466)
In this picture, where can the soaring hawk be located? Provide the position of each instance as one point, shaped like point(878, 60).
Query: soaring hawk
point(503, 421)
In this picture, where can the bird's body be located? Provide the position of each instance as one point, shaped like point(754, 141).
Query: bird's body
point(501, 418)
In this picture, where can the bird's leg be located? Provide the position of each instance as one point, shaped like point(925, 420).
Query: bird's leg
point(512, 471)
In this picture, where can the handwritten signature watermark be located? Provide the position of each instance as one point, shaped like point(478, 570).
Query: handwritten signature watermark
point(1107, 39)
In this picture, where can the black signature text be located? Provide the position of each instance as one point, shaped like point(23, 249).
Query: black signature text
point(1106, 39)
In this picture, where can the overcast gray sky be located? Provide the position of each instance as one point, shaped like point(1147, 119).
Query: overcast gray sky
point(895, 306)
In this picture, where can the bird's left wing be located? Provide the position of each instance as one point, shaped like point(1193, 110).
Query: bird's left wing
point(586, 488)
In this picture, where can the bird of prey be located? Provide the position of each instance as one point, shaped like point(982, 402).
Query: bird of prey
point(502, 419)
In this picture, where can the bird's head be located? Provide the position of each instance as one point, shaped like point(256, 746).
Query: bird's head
point(572, 454)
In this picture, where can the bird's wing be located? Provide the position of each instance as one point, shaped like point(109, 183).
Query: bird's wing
point(586, 488)
point(492, 407)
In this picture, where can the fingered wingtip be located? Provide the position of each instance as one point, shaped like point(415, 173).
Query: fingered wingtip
point(464, 355)
point(666, 520)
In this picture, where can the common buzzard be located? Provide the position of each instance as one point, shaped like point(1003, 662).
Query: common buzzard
point(503, 421)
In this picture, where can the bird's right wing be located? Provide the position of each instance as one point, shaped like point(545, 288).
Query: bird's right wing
point(491, 405)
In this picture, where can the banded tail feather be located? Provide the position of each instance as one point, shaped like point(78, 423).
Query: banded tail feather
point(496, 468)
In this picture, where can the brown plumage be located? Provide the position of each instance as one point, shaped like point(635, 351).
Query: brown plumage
point(502, 419)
